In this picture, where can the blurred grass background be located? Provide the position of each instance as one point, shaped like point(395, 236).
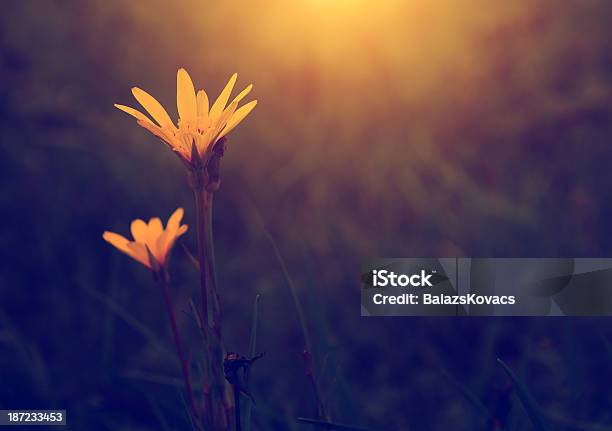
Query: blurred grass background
point(384, 129)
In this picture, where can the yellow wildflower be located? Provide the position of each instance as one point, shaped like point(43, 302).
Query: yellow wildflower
point(198, 126)
point(152, 244)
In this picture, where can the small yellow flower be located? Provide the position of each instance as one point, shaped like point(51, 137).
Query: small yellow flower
point(152, 244)
point(197, 124)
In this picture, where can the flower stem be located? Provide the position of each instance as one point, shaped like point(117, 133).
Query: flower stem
point(210, 255)
point(163, 284)
point(200, 195)
point(208, 286)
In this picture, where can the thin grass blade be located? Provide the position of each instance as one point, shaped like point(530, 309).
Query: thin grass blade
point(252, 346)
point(483, 413)
point(130, 320)
point(530, 405)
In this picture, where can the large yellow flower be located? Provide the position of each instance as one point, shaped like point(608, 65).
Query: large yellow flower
point(152, 244)
point(197, 123)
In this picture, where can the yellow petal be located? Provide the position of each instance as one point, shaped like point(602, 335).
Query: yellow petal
point(226, 116)
point(238, 116)
point(132, 249)
point(170, 240)
point(182, 230)
point(154, 230)
point(134, 113)
point(175, 220)
point(139, 230)
point(223, 120)
point(243, 93)
point(162, 248)
point(153, 107)
point(185, 144)
point(185, 96)
point(116, 240)
point(204, 140)
point(138, 251)
point(202, 102)
point(166, 240)
point(157, 131)
point(221, 101)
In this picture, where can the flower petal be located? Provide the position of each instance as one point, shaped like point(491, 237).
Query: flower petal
point(154, 230)
point(135, 250)
point(134, 113)
point(202, 102)
point(175, 220)
point(166, 240)
point(153, 107)
point(203, 141)
point(157, 131)
point(162, 248)
point(138, 251)
point(221, 101)
point(238, 116)
point(139, 230)
point(243, 93)
point(182, 230)
point(169, 240)
point(116, 240)
point(185, 96)
point(223, 120)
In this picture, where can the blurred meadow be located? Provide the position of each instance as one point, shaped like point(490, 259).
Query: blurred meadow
point(384, 129)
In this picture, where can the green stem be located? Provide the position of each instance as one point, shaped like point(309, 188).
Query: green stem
point(210, 254)
point(200, 195)
point(208, 286)
point(217, 344)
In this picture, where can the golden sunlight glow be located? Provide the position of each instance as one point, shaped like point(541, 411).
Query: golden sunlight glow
point(198, 125)
point(152, 243)
point(412, 46)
